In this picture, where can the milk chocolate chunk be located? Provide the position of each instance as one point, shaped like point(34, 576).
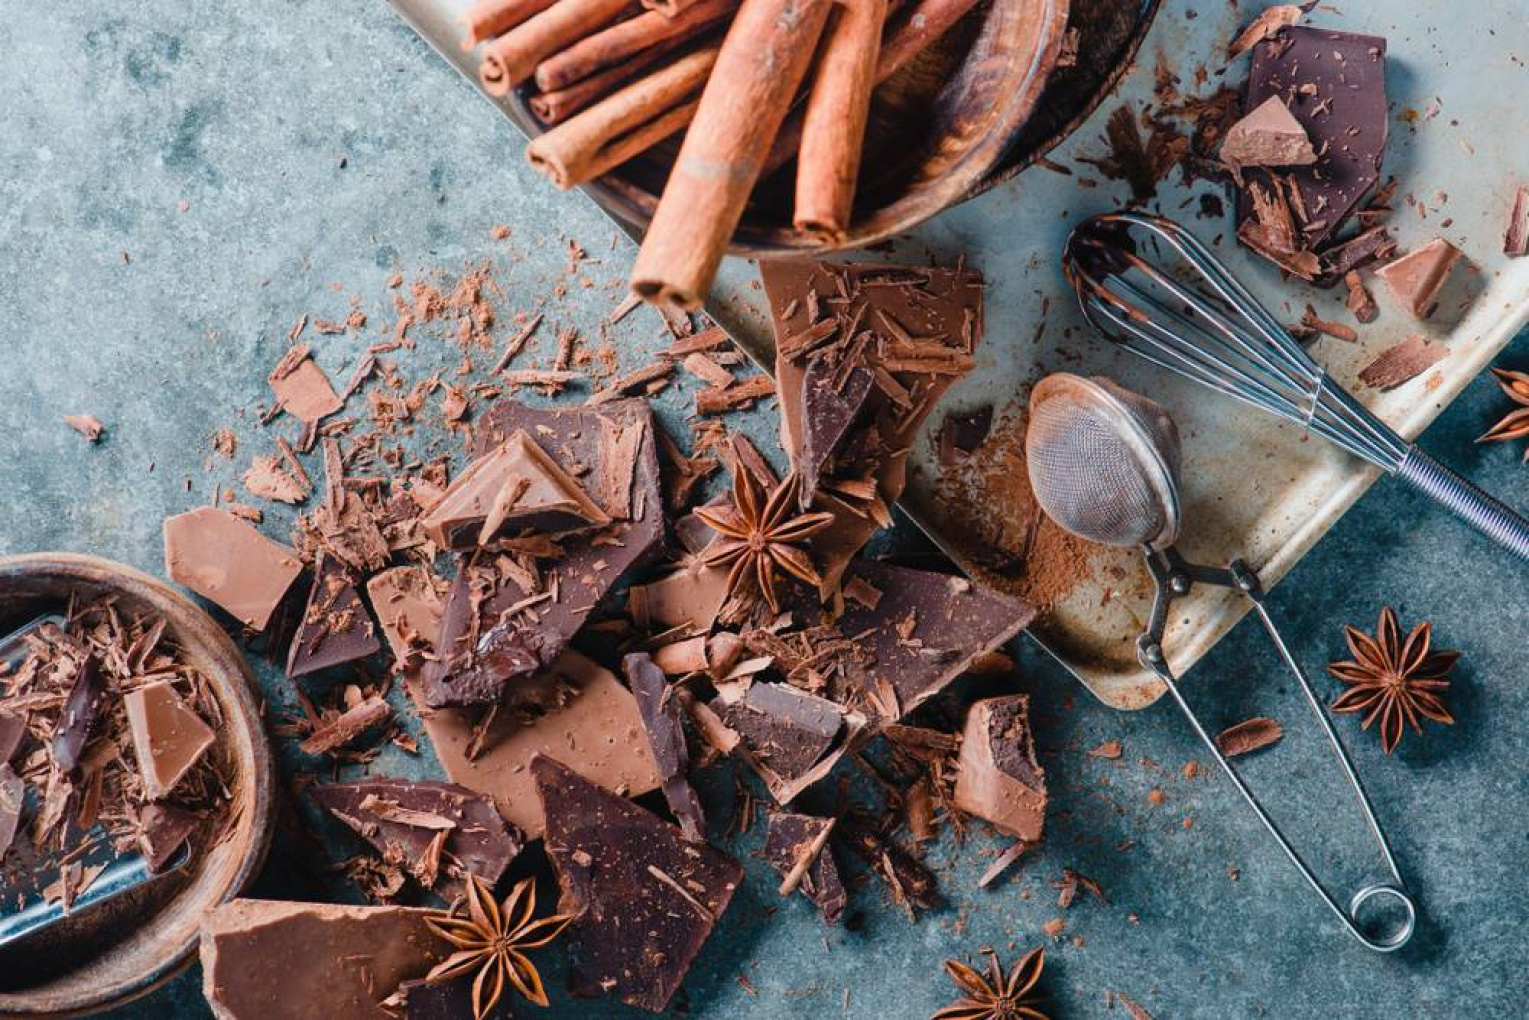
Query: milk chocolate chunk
point(646, 897)
point(999, 779)
point(666, 736)
point(168, 736)
point(164, 829)
point(406, 817)
point(312, 961)
point(833, 399)
point(408, 604)
point(336, 628)
point(13, 730)
point(794, 840)
point(224, 559)
point(301, 387)
point(523, 626)
point(13, 791)
point(1417, 277)
point(516, 486)
point(1333, 83)
point(1269, 136)
point(77, 719)
point(576, 709)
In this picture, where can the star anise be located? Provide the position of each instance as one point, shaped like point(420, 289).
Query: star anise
point(1392, 680)
point(995, 996)
point(759, 536)
point(1515, 425)
point(492, 938)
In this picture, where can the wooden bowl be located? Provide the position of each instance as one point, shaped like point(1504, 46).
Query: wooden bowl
point(131, 952)
point(938, 130)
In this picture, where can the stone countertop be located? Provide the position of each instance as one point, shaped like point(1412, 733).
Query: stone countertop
point(180, 181)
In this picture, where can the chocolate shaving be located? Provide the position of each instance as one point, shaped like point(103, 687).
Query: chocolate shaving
point(1248, 736)
point(1515, 239)
point(1401, 362)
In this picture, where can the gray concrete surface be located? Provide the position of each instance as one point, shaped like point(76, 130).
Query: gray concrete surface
point(179, 181)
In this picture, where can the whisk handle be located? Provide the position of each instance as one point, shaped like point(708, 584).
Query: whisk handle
point(1481, 511)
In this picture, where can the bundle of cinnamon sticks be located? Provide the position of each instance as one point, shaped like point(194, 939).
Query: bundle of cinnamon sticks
point(750, 84)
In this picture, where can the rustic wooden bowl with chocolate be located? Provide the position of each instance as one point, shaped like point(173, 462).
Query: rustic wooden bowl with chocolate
point(140, 711)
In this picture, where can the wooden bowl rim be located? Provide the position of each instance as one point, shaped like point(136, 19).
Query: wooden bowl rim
point(235, 686)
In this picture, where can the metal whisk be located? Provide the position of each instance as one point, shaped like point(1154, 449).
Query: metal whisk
point(1152, 286)
point(1103, 464)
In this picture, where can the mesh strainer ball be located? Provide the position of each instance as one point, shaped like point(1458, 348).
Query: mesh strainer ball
point(1103, 461)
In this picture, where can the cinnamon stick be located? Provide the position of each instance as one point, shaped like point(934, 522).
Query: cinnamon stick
point(558, 105)
point(833, 127)
point(762, 62)
point(512, 58)
point(624, 39)
point(488, 18)
point(623, 125)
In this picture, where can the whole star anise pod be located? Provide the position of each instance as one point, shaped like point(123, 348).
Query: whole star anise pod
point(995, 996)
point(1392, 680)
point(758, 537)
point(1515, 425)
point(492, 938)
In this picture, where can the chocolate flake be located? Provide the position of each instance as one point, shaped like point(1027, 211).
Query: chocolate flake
point(1402, 362)
point(301, 387)
point(1248, 736)
point(1515, 239)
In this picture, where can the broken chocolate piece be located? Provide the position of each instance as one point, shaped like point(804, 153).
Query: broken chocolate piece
point(796, 842)
point(666, 736)
point(1357, 252)
point(1402, 362)
point(787, 732)
point(336, 628)
point(1417, 277)
point(165, 827)
point(576, 709)
point(489, 641)
point(168, 736)
point(1269, 136)
point(1515, 239)
point(445, 1000)
point(1333, 83)
point(1360, 301)
point(341, 729)
point(12, 796)
point(831, 405)
point(13, 730)
point(222, 558)
point(77, 719)
point(646, 898)
point(301, 387)
point(408, 606)
point(408, 815)
point(516, 486)
point(999, 779)
point(306, 961)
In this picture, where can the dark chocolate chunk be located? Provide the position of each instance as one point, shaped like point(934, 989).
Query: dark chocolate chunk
point(646, 897)
point(1334, 84)
point(661, 719)
point(81, 709)
point(164, 828)
point(447, 1000)
point(336, 627)
point(612, 442)
point(13, 730)
point(833, 400)
point(789, 840)
point(1357, 252)
point(961, 434)
point(408, 815)
point(12, 796)
point(788, 731)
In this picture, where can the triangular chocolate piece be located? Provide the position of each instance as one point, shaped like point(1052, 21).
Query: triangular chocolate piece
point(406, 816)
point(645, 897)
point(795, 842)
point(1269, 136)
point(1417, 277)
point(833, 399)
point(77, 720)
point(336, 627)
point(168, 736)
point(164, 828)
point(661, 719)
point(999, 779)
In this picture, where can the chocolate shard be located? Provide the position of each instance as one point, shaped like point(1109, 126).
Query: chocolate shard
point(1402, 362)
point(312, 961)
point(222, 558)
point(1333, 83)
point(336, 628)
point(833, 400)
point(1268, 136)
point(408, 816)
point(576, 709)
point(999, 779)
point(525, 622)
point(1515, 238)
point(787, 733)
point(1417, 277)
point(515, 486)
point(77, 719)
point(13, 790)
point(301, 387)
point(646, 897)
point(13, 730)
point(164, 828)
point(1357, 252)
point(798, 843)
point(445, 1000)
point(666, 736)
point(168, 736)
point(408, 603)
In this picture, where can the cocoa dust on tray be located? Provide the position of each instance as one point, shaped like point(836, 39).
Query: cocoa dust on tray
point(986, 504)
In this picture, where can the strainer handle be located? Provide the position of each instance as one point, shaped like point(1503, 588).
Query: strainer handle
point(1481, 511)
